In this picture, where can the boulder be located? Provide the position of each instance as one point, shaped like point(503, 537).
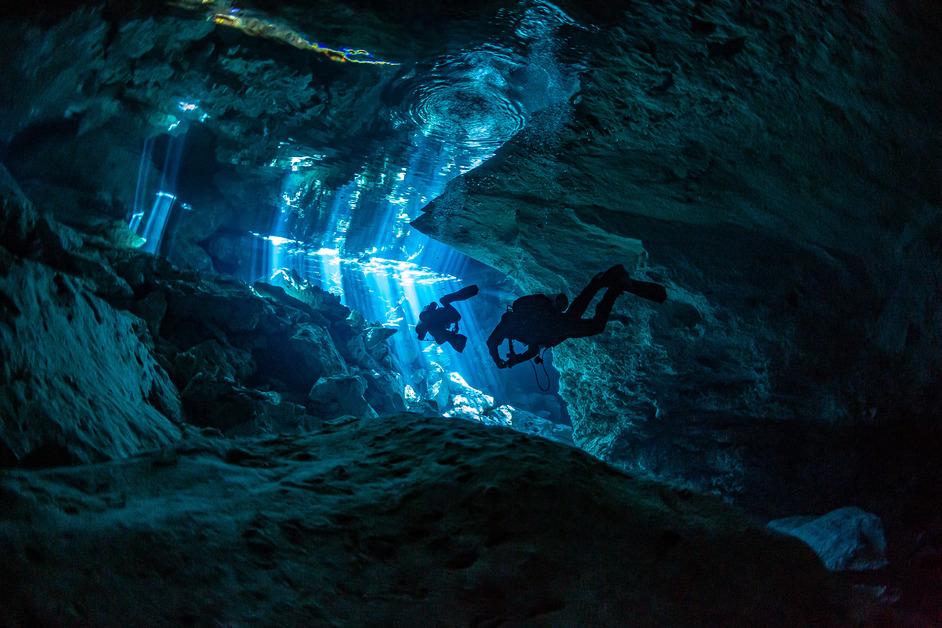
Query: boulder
point(846, 539)
point(299, 356)
point(218, 361)
point(384, 390)
point(225, 304)
point(529, 423)
point(236, 409)
point(319, 300)
point(465, 401)
point(79, 384)
point(339, 395)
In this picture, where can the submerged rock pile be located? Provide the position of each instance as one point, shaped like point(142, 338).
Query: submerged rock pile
point(108, 351)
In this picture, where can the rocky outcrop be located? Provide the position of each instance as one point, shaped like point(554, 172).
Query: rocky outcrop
point(448, 394)
point(106, 351)
point(249, 355)
point(79, 384)
point(693, 153)
point(846, 539)
point(341, 395)
point(397, 521)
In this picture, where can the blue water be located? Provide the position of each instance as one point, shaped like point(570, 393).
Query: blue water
point(449, 115)
point(456, 112)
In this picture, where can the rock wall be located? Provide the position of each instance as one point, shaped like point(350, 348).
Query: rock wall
point(107, 351)
point(79, 384)
point(771, 164)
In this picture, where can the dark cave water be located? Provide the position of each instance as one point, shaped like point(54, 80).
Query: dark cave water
point(356, 241)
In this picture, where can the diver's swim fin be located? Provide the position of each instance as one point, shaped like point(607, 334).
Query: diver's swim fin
point(648, 290)
point(460, 295)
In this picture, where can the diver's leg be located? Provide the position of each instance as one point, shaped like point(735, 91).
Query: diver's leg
point(604, 309)
point(582, 327)
point(458, 341)
point(647, 290)
point(581, 303)
point(459, 295)
point(618, 277)
point(615, 277)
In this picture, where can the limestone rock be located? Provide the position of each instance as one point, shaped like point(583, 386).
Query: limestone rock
point(402, 521)
point(529, 423)
point(224, 304)
point(319, 300)
point(79, 385)
point(215, 359)
point(846, 539)
point(340, 395)
point(300, 356)
point(465, 401)
point(384, 391)
point(236, 409)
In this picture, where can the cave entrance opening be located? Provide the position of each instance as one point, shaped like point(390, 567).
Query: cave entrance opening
point(342, 220)
point(362, 248)
point(448, 115)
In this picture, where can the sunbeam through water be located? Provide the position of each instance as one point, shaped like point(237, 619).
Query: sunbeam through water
point(456, 113)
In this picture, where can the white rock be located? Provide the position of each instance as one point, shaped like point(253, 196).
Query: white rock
point(846, 539)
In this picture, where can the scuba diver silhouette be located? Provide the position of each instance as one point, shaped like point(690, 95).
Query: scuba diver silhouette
point(541, 322)
point(442, 322)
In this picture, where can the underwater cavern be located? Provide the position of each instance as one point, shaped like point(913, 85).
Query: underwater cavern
point(483, 313)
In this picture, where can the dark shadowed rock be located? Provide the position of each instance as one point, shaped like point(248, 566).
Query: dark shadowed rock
point(219, 361)
point(75, 375)
point(340, 395)
point(301, 355)
point(232, 408)
point(405, 521)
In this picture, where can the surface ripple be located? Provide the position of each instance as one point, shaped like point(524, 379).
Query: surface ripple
point(468, 100)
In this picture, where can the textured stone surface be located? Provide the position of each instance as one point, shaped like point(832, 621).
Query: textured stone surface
point(91, 331)
point(400, 521)
point(775, 164)
point(341, 395)
point(694, 152)
point(846, 539)
point(78, 384)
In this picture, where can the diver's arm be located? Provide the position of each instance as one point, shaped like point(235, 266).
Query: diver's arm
point(531, 352)
point(493, 344)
